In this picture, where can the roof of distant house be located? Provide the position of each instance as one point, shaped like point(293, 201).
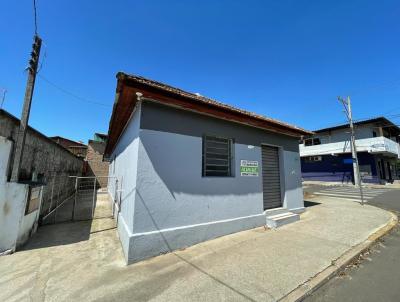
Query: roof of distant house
point(379, 121)
point(156, 91)
point(70, 141)
point(101, 135)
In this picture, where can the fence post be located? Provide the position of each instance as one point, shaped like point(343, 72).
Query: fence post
point(52, 192)
point(75, 198)
point(115, 199)
point(94, 197)
point(58, 199)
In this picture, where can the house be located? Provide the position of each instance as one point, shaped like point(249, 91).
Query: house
point(92, 153)
point(190, 168)
point(100, 137)
point(23, 202)
point(77, 148)
point(326, 155)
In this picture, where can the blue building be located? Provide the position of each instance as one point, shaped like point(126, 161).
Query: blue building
point(326, 155)
point(190, 168)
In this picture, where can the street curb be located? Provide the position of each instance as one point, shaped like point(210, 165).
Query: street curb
point(338, 265)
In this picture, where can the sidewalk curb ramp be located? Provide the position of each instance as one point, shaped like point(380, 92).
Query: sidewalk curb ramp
point(338, 265)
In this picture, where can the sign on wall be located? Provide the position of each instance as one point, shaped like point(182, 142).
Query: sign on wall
point(348, 161)
point(248, 167)
point(33, 201)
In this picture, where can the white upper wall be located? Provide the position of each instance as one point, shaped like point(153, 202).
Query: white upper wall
point(378, 144)
point(123, 166)
point(14, 225)
point(341, 135)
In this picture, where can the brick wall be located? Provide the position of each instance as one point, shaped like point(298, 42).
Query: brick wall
point(96, 166)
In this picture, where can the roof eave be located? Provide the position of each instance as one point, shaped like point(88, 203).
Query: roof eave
point(186, 101)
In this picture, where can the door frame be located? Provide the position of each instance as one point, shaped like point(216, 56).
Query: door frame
point(281, 175)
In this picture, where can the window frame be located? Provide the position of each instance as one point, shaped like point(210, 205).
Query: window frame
point(231, 165)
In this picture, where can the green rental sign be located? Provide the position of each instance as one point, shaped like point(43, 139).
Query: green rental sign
point(248, 167)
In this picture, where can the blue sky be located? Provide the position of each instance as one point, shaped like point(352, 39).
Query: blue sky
point(285, 59)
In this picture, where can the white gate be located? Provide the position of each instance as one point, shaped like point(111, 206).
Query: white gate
point(90, 198)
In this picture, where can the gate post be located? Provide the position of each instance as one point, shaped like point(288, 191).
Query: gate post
point(94, 197)
point(75, 198)
point(115, 199)
point(52, 193)
point(58, 199)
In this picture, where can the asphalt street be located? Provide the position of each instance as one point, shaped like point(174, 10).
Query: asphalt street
point(376, 277)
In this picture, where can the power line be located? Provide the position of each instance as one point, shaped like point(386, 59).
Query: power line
point(376, 87)
point(392, 116)
point(3, 97)
point(44, 56)
point(71, 93)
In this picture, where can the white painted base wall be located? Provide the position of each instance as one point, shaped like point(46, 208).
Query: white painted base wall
point(15, 226)
point(139, 246)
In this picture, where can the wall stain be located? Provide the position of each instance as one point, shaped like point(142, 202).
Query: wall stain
point(6, 208)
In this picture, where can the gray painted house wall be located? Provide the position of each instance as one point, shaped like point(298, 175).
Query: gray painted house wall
point(168, 204)
point(124, 167)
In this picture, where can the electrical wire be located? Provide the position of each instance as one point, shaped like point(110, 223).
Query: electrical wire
point(71, 93)
point(44, 56)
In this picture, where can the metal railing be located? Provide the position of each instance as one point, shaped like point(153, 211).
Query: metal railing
point(73, 198)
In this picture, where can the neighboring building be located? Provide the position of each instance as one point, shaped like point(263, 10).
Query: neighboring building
point(77, 148)
point(100, 137)
point(326, 156)
point(96, 165)
point(191, 169)
point(21, 203)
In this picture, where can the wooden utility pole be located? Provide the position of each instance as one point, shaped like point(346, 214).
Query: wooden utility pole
point(32, 70)
point(356, 167)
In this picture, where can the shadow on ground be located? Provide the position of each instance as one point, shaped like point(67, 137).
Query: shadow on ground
point(71, 232)
point(59, 234)
point(308, 203)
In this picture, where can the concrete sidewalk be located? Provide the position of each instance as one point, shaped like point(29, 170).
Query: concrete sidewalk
point(83, 261)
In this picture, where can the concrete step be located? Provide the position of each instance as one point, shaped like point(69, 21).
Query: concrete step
point(281, 219)
point(276, 211)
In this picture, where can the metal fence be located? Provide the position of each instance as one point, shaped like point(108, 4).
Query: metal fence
point(73, 198)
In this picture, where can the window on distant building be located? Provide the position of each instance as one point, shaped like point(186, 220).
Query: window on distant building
point(308, 142)
point(311, 159)
point(217, 156)
point(316, 141)
point(374, 133)
point(312, 142)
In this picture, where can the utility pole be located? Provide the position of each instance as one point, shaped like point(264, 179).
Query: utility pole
point(32, 70)
point(356, 168)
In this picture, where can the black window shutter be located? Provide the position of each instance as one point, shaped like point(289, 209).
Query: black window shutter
point(217, 156)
